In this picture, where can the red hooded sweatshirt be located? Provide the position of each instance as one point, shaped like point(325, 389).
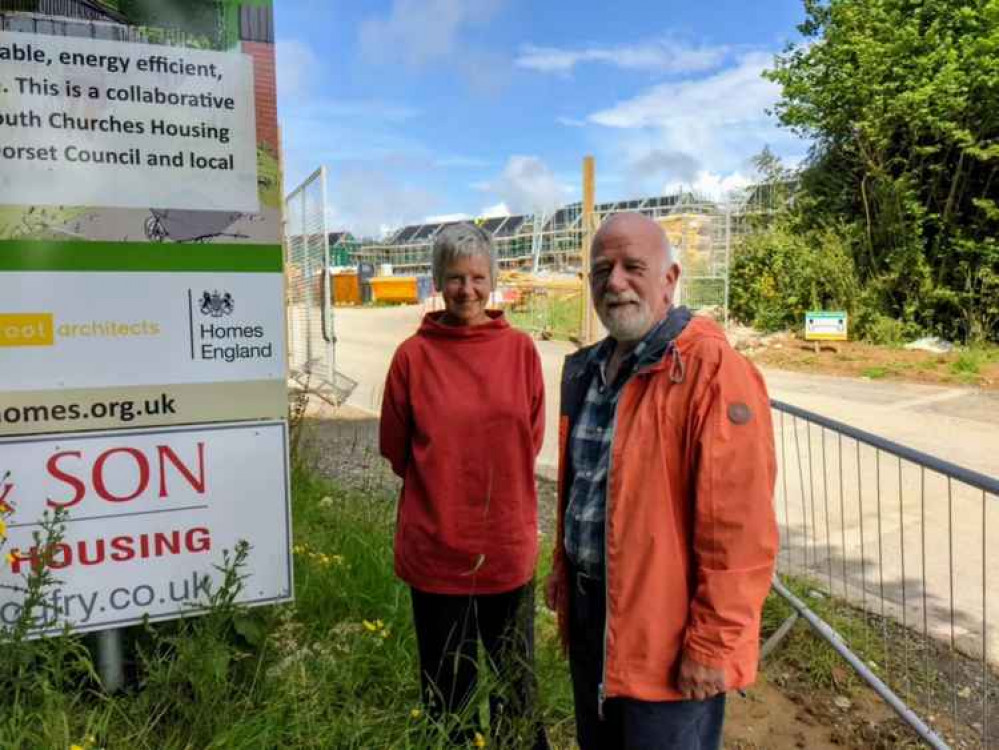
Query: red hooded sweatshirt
point(462, 423)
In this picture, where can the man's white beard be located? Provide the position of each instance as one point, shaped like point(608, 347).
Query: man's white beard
point(628, 322)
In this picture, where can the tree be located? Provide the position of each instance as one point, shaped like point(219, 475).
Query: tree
point(901, 99)
point(192, 16)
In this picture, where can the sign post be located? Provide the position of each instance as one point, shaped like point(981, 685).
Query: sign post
point(142, 322)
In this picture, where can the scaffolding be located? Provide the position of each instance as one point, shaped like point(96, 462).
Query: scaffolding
point(701, 232)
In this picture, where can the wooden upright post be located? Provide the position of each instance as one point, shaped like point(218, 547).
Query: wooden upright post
point(590, 325)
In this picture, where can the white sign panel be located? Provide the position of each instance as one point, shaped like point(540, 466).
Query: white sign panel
point(150, 513)
point(825, 326)
point(60, 330)
point(85, 122)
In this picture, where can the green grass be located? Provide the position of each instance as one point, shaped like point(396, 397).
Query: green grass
point(896, 655)
point(311, 674)
point(268, 178)
point(336, 669)
point(875, 373)
point(971, 361)
point(560, 316)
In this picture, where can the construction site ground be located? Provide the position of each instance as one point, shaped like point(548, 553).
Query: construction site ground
point(932, 409)
point(975, 367)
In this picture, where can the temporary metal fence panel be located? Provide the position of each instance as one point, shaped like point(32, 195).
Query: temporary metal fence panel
point(310, 312)
point(908, 543)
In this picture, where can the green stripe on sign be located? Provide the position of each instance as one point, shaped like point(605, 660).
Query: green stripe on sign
point(45, 255)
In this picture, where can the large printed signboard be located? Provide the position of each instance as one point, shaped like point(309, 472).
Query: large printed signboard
point(141, 289)
point(169, 127)
point(149, 513)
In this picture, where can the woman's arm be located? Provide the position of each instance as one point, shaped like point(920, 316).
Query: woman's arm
point(395, 426)
point(537, 401)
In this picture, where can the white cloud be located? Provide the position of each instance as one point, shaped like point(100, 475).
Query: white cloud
point(527, 185)
point(368, 201)
point(659, 164)
point(418, 32)
point(719, 186)
point(674, 131)
point(570, 122)
point(496, 211)
point(737, 94)
point(297, 65)
point(665, 55)
point(446, 218)
point(711, 184)
point(363, 142)
point(461, 162)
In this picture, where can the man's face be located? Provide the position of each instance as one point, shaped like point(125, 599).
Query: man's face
point(632, 286)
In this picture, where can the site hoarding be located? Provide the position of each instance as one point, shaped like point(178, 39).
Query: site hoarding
point(141, 271)
point(149, 512)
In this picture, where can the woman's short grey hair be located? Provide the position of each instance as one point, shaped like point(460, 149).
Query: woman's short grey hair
point(462, 240)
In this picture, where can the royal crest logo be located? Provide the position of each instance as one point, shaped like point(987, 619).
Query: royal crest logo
point(6, 503)
point(215, 304)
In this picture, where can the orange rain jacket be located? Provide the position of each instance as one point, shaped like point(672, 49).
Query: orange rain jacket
point(691, 535)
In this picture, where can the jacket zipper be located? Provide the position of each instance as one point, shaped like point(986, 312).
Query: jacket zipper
point(601, 690)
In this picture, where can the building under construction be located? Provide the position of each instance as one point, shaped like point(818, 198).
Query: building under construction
point(553, 241)
point(701, 231)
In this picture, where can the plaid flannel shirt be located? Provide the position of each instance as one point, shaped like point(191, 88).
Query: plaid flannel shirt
point(590, 446)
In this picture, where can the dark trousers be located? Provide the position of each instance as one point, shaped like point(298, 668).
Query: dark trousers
point(448, 631)
point(628, 724)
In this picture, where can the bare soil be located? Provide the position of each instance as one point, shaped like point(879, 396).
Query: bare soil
point(855, 359)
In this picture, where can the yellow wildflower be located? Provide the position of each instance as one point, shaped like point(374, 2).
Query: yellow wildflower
point(416, 713)
point(75, 747)
point(370, 626)
point(480, 741)
point(3, 528)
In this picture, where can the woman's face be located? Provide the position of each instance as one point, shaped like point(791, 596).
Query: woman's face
point(467, 285)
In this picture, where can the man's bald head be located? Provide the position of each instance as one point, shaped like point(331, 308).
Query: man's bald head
point(636, 225)
point(632, 276)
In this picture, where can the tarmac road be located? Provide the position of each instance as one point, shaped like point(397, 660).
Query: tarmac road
point(960, 425)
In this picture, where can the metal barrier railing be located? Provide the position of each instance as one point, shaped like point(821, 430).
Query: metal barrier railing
point(908, 543)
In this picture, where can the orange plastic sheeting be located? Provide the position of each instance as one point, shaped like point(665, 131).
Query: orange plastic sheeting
point(346, 289)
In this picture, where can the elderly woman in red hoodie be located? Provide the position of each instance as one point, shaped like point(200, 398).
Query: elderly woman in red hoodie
point(462, 422)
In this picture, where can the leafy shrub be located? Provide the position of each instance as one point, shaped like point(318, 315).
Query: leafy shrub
point(779, 274)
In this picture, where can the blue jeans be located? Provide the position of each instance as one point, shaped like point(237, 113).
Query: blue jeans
point(628, 724)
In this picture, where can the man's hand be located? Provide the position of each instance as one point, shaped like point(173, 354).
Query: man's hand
point(553, 592)
point(698, 682)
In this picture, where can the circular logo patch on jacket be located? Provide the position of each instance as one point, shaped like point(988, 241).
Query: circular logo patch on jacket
point(739, 413)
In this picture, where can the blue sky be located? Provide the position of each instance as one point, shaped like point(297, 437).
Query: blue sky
point(425, 108)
